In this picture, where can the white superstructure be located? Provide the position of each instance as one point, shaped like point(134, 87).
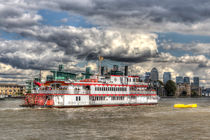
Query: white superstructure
point(113, 90)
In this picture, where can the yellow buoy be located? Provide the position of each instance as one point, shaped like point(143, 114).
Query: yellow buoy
point(185, 106)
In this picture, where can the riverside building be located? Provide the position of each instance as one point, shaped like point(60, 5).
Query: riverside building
point(11, 89)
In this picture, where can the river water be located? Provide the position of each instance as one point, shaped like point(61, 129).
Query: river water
point(157, 122)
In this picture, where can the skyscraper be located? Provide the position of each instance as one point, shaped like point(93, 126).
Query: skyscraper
point(187, 80)
point(179, 80)
point(196, 81)
point(154, 74)
point(166, 77)
point(147, 77)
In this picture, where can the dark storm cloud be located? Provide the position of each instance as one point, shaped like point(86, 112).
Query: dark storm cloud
point(90, 43)
point(30, 54)
point(140, 14)
point(14, 17)
point(13, 76)
point(201, 60)
point(155, 10)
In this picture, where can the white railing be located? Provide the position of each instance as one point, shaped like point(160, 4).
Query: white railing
point(61, 91)
point(51, 91)
point(142, 92)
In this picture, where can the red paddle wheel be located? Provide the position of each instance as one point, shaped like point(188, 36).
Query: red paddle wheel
point(30, 99)
point(40, 100)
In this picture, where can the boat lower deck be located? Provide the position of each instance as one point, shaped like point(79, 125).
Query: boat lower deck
point(106, 105)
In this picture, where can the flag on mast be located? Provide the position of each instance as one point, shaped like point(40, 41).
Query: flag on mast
point(101, 58)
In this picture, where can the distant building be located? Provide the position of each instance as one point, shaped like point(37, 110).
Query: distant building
point(115, 71)
point(154, 74)
point(187, 80)
point(183, 90)
point(179, 80)
point(87, 73)
point(196, 91)
point(166, 77)
point(196, 81)
point(12, 89)
point(147, 77)
point(206, 92)
point(60, 74)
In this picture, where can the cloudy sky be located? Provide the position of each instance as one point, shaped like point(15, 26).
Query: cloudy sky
point(171, 35)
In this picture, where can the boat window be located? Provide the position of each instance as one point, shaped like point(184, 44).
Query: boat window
point(87, 87)
point(78, 98)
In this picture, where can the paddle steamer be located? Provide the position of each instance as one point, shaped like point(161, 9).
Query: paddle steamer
point(97, 90)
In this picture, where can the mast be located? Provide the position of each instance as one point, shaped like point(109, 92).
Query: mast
point(40, 76)
point(100, 61)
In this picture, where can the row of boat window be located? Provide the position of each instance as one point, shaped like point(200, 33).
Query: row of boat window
point(98, 98)
point(110, 89)
point(102, 98)
point(118, 98)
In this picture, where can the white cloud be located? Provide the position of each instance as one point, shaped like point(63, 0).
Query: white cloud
point(194, 47)
point(112, 44)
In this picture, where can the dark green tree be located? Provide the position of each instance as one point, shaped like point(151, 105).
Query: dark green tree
point(170, 88)
point(161, 83)
point(194, 94)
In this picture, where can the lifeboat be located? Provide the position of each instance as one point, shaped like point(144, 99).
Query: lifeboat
point(185, 106)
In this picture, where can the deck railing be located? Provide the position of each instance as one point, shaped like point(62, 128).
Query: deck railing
point(142, 92)
point(61, 91)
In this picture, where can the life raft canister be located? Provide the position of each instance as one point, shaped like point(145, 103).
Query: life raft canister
point(50, 102)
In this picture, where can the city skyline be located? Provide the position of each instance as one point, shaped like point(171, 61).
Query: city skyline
point(167, 76)
point(172, 36)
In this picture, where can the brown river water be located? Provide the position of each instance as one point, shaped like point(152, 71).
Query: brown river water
point(156, 122)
